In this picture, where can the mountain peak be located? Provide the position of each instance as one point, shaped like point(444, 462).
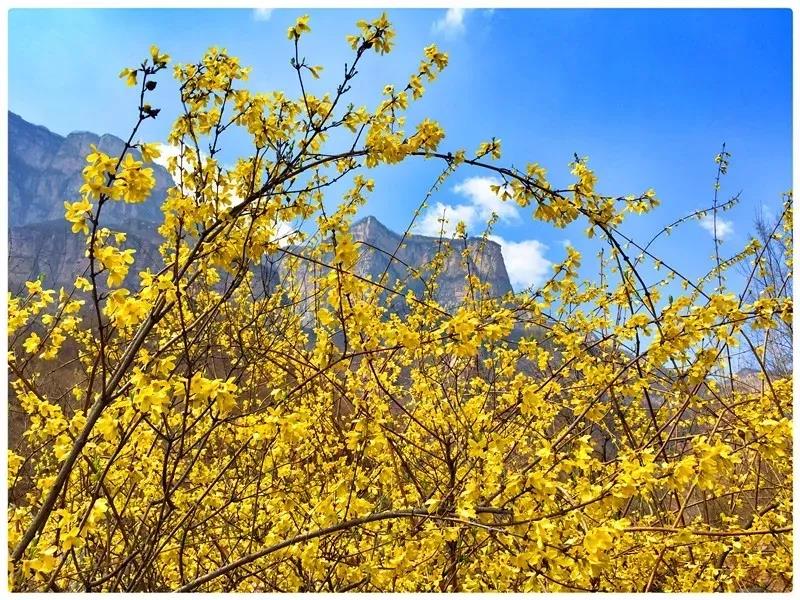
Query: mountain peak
point(369, 222)
point(389, 252)
point(15, 122)
point(45, 169)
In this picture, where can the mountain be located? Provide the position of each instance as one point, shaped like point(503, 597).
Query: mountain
point(417, 251)
point(50, 249)
point(45, 170)
point(400, 264)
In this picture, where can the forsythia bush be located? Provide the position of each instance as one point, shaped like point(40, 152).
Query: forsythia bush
point(194, 428)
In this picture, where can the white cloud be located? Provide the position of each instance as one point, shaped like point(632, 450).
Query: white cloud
point(285, 234)
point(481, 203)
point(452, 23)
point(767, 213)
point(431, 224)
point(479, 191)
point(724, 227)
point(167, 151)
point(525, 262)
point(262, 14)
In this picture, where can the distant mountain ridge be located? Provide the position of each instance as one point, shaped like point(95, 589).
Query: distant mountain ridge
point(44, 171)
point(45, 168)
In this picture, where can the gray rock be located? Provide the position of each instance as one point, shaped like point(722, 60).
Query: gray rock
point(415, 252)
point(45, 171)
point(50, 250)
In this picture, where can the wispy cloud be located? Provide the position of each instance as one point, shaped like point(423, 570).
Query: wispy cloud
point(525, 262)
point(724, 227)
point(481, 203)
point(767, 213)
point(262, 14)
point(452, 23)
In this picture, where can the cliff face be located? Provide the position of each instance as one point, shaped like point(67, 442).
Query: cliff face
point(406, 263)
point(379, 243)
point(45, 170)
point(52, 251)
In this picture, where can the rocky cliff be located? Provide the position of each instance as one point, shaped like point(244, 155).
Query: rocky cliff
point(406, 262)
point(45, 170)
point(378, 243)
point(50, 250)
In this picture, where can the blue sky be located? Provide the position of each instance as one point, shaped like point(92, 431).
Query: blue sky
point(648, 95)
